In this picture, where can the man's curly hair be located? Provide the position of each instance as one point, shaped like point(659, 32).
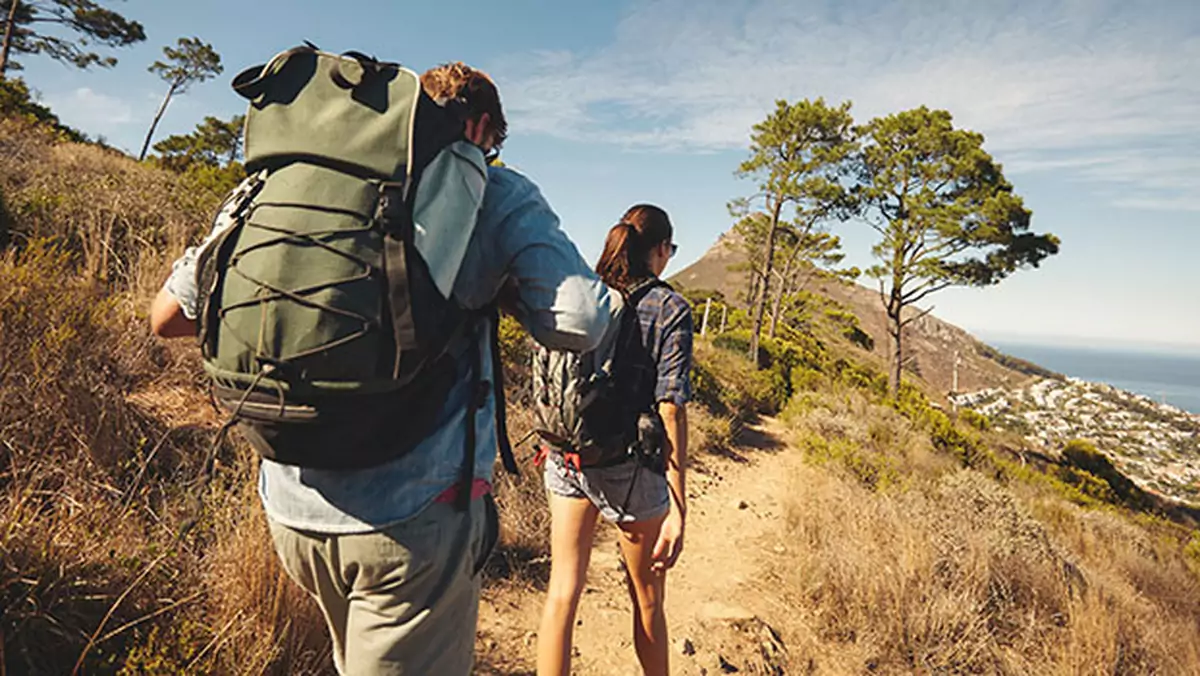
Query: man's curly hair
point(470, 86)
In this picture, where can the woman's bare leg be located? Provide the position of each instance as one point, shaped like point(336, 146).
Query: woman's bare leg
point(572, 529)
point(647, 589)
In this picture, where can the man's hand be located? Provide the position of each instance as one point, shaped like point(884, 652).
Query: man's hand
point(670, 542)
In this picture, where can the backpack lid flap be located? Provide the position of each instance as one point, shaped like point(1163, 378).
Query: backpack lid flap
point(301, 108)
point(445, 208)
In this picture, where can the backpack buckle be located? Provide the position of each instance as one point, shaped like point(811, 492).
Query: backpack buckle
point(389, 210)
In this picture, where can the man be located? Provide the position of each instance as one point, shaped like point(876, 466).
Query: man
point(391, 562)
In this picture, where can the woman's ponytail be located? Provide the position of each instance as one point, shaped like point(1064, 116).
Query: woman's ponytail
point(625, 260)
point(622, 262)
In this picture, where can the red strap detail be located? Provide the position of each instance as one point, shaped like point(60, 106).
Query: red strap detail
point(571, 459)
point(479, 488)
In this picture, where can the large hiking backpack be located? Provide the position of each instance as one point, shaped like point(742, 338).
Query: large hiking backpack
point(327, 305)
point(583, 406)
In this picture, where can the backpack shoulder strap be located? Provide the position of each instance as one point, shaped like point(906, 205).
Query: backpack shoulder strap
point(629, 316)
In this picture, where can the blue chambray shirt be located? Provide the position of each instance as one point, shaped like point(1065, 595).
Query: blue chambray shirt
point(562, 303)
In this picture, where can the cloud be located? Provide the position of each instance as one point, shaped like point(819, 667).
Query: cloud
point(95, 112)
point(1101, 89)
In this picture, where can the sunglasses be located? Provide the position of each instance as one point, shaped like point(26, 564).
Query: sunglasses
point(674, 249)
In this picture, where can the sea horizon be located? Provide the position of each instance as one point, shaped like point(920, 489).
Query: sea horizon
point(1159, 373)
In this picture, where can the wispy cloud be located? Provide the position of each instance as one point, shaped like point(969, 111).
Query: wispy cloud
point(1100, 89)
point(90, 109)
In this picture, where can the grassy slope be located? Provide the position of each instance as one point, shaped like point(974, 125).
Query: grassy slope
point(930, 543)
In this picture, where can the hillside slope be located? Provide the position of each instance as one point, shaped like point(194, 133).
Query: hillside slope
point(931, 342)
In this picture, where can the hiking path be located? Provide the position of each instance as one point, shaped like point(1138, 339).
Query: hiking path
point(718, 615)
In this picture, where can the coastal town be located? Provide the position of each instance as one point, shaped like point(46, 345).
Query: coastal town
point(1155, 444)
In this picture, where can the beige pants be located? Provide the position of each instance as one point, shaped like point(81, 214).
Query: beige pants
point(399, 601)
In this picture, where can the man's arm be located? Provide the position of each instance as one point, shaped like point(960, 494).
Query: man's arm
point(551, 289)
point(167, 319)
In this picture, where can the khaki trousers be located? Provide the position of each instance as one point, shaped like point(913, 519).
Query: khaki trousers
point(403, 600)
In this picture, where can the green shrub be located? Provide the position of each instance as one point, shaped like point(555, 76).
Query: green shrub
point(728, 385)
point(16, 101)
point(1191, 552)
point(1087, 483)
point(975, 419)
point(1083, 456)
point(872, 469)
point(1007, 471)
point(861, 377)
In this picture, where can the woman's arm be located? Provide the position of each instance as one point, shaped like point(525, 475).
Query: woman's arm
point(672, 391)
point(670, 538)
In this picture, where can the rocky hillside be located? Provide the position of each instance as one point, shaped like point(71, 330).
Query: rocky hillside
point(932, 342)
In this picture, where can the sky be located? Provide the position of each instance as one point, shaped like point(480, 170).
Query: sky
point(1091, 106)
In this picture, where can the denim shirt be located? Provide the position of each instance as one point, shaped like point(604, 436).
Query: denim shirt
point(561, 302)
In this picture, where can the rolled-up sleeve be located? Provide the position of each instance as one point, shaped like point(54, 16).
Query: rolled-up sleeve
point(674, 382)
point(182, 282)
point(561, 301)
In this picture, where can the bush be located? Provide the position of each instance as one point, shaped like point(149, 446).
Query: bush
point(860, 377)
point(1083, 457)
point(120, 221)
point(975, 419)
point(964, 444)
point(872, 469)
point(729, 385)
point(16, 101)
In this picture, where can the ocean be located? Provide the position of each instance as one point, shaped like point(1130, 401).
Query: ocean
point(1173, 378)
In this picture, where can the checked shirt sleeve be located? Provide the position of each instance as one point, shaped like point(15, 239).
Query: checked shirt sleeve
point(674, 382)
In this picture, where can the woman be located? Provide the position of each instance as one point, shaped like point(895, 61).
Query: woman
point(648, 507)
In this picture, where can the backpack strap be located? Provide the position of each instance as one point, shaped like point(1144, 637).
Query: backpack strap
point(478, 396)
point(506, 449)
point(629, 317)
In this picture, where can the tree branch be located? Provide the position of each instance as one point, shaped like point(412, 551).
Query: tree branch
point(931, 290)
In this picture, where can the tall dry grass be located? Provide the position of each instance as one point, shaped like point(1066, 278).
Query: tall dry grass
point(945, 570)
point(122, 221)
point(102, 432)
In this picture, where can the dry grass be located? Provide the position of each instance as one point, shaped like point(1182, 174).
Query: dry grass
point(102, 430)
point(522, 556)
point(943, 570)
point(119, 219)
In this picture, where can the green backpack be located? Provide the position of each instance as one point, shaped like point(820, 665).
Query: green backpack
point(327, 305)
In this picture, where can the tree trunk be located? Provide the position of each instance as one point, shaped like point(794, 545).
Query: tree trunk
point(162, 108)
point(9, 30)
point(765, 292)
point(896, 330)
point(895, 313)
point(752, 288)
point(782, 291)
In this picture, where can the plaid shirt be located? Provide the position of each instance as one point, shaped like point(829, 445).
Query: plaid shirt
point(662, 372)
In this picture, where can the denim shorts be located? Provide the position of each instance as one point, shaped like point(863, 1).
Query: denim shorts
point(623, 493)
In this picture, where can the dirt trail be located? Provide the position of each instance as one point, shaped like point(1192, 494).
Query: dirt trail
point(714, 598)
